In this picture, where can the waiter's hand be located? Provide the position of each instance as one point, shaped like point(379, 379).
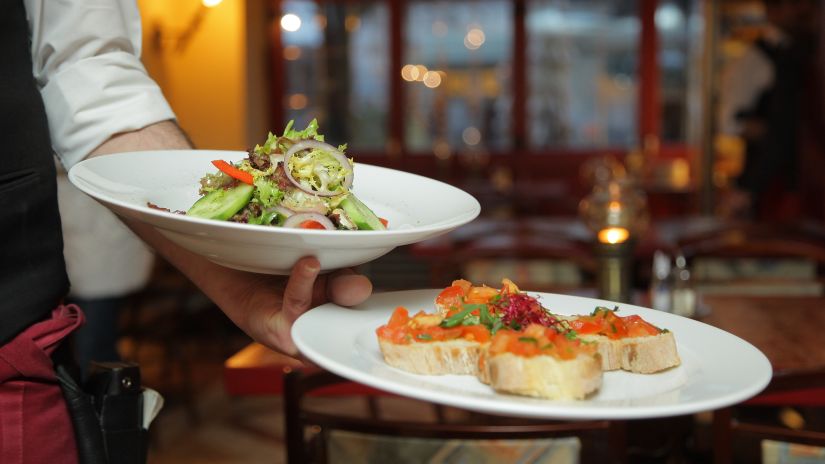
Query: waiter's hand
point(274, 306)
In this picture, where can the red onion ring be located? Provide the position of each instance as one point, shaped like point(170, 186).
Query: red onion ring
point(283, 211)
point(340, 157)
point(297, 219)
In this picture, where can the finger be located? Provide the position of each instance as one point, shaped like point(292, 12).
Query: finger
point(348, 289)
point(279, 337)
point(299, 288)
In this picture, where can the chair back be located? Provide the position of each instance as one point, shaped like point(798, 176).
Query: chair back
point(474, 428)
point(754, 258)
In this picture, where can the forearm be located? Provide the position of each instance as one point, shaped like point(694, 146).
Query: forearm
point(167, 135)
point(164, 135)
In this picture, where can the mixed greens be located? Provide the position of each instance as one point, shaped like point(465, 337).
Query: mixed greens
point(292, 180)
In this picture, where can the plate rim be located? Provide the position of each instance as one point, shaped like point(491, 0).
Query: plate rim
point(555, 409)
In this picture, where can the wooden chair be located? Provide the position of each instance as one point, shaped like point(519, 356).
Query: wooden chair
point(523, 251)
point(787, 389)
point(299, 418)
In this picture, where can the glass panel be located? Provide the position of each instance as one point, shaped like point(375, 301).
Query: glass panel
point(582, 61)
point(456, 68)
point(336, 57)
point(679, 26)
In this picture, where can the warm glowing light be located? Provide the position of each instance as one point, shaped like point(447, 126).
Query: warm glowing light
point(352, 23)
point(614, 206)
point(474, 39)
point(613, 235)
point(422, 71)
point(441, 149)
point(292, 52)
point(290, 22)
point(409, 72)
point(471, 136)
point(432, 79)
point(297, 101)
point(211, 3)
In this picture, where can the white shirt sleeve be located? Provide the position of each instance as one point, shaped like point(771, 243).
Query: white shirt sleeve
point(742, 82)
point(86, 60)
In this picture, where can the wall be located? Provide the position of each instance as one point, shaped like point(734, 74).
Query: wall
point(206, 77)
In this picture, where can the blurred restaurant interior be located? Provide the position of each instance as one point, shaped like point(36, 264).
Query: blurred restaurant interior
point(617, 148)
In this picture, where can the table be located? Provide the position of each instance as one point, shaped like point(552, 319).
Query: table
point(788, 330)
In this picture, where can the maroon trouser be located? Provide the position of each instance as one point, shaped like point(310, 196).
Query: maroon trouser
point(35, 426)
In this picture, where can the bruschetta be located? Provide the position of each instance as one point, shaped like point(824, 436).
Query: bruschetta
point(424, 344)
point(542, 362)
point(625, 342)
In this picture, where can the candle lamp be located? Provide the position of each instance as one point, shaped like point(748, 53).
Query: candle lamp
point(616, 212)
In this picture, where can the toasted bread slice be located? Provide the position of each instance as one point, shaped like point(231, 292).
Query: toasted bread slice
point(643, 355)
point(629, 343)
point(540, 362)
point(646, 355)
point(421, 344)
point(610, 351)
point(545, 376)
point(433, 358)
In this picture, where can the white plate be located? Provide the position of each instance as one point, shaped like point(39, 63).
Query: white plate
point(416, 207)
point(718, 369)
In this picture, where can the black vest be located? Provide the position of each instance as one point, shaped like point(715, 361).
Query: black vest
point(32, 272)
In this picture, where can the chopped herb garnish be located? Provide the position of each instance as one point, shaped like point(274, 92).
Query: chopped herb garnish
point(456, 318)
point(571, 335)
point(613, 327)
point(548, 346)
point(471, 320)
point(528, 340)
point(484, 315)
point(497, 325)
point(424, 336)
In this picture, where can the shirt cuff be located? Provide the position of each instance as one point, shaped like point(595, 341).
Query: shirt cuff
point(98, 97)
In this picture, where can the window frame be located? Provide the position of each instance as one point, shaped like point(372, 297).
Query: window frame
point(524, 162)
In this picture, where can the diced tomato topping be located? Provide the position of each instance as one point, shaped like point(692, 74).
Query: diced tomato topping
point(451, 297)
point(538, 340)
point(481, 295)
point(607, 323)
point(399, 317)
point(477, 333)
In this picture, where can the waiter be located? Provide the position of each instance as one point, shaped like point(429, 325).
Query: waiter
point(760, 101)
point(71, 83)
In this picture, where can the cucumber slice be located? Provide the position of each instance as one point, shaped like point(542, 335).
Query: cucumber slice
point(360, 214)
point(222, 204)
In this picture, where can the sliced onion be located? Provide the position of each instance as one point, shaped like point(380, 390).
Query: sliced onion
point(283, 211)
point(297, 219)
point(308, 144)
point(276, 158)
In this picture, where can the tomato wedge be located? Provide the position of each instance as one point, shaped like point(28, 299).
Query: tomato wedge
point(233, 172)
point(384, 221)
point(311, 225)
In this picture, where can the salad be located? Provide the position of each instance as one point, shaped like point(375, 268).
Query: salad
point(294, 180)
